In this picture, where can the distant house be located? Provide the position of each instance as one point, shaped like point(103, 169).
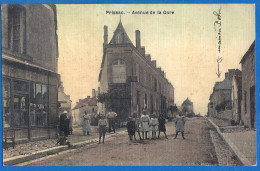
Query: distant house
point(187, 107)
point(220, 104)
point(64, 100)
point(248, 103)
point(236, 98)
point(88, 104)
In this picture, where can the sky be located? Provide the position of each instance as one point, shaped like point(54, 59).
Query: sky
point(184, 44)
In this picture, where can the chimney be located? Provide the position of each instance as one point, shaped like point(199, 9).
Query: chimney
point(137, 39)
point(105, 35)
point(143, 50)
point(154, 63)
point(226, 75)
point(148, 57)
point(93, 93)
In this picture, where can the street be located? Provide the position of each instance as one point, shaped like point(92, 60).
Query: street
point(197, 149)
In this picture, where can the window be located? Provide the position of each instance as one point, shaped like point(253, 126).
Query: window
point(137, 71)
point(119, 37)
point(155, 84)
point(6, 103)
point(16, 28)
point(38, 104)
point(145, 101)
point(151, 82)
point(145, 79)
point(20, 86)
point(138, 101)
point(245, 101)
point(119, 71)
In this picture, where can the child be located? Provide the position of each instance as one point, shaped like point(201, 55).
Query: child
point(137, 125)
point(131, 128)
point(162, 127)
point(154, 125)
point(102, 127)
point(145, 121)
point(62, 140)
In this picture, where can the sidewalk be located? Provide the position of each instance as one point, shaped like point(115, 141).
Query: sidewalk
point(36, 149)
point(241, 140)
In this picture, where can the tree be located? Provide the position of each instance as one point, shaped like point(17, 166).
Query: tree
point(117, 99)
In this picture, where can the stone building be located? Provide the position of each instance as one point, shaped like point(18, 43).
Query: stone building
point(220, 104)
point(29, 71)
point(129, 67)
point(248, 103)
point(88, 105)
point(236, 98)
point(187, 107)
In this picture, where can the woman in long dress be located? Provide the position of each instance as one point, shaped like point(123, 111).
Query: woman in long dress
point(179, 124)
point(86, 124)
point(145, 121)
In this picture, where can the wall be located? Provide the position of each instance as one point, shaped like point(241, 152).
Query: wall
point(41, 37)
point(248, 81)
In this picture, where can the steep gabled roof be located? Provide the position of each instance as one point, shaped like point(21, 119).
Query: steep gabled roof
point(187, 102)
point(120, 36)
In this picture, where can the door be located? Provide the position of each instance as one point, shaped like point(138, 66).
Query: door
point(252, 107)
point(21, 115)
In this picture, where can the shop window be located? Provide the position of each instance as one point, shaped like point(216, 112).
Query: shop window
point(20, 86)
point(38, 104)
point(20, 110)
point(6, 103)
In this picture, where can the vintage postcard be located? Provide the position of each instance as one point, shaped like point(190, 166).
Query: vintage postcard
point(128, 84)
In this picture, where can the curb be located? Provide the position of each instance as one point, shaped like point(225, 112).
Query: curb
point(235, 150)
point(54, 150)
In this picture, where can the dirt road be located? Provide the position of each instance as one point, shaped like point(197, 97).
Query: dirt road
point(196, 150)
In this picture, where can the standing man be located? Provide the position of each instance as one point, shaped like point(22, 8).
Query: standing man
point(111, 120)
point(64, 124)
point(102, 128)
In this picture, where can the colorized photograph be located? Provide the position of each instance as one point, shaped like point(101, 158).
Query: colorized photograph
point(128, 84)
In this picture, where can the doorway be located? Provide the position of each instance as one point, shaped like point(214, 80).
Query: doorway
point(252, 107)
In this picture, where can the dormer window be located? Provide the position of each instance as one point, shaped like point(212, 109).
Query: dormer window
point(119, 37)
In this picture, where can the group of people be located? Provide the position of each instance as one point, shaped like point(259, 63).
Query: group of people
point(146, 124)
point(104, 124)
point(143, 124)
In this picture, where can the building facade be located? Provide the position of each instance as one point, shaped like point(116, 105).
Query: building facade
point(64, 100)
point(29, 71)
point(88, 105)
point(187, 107)
point(248, 103)
point(129, 67)
point(220, 104)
